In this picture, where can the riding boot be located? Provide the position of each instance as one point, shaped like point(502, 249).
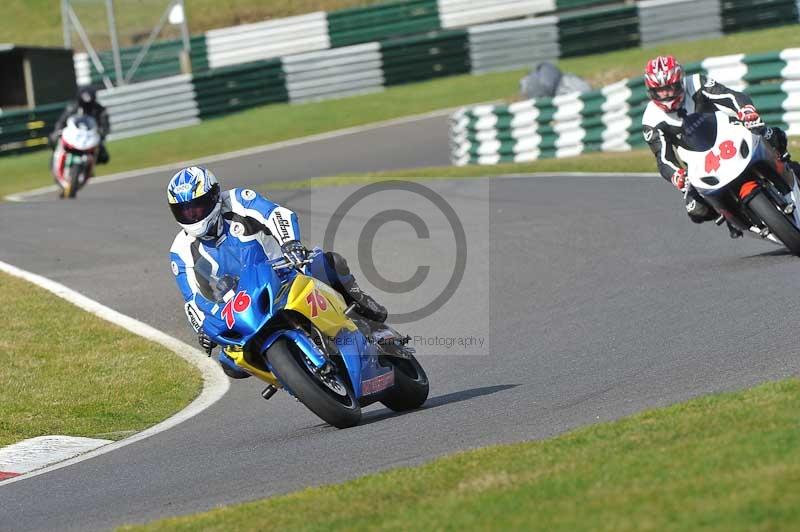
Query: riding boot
point(698, 209)
point(733, 231)
point(346, 284)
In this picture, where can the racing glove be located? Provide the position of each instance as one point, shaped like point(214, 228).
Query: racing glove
point(679, 179)
point(749, 117)
point(206, 342)
point(295, 252)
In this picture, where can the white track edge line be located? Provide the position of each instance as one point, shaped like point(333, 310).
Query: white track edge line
point(21, 196)
point(215, 383)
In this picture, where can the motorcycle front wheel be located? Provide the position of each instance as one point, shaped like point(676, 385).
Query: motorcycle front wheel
point(74, 180)
point(329, 397)
point(779, 223)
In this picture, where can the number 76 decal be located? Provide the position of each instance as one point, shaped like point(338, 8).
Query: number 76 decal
point(317, 302)
point(238, 304)
point(727, 150)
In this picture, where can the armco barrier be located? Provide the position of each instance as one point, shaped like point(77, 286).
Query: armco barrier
point(610, 119)
point(382, 21)
point(739, 15)
point(229, 89)
point(598, 30)
point(334, 73)
point(582, 26)
point(161, 60)
point(267, 40)
point(460, 13)
point(440, 54)
point(151, 106)
point(679, 20)
point(515, 44)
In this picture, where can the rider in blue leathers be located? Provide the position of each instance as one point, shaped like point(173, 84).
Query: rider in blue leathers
point(240, 218)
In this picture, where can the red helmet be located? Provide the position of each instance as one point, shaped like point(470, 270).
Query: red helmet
point(663, 78)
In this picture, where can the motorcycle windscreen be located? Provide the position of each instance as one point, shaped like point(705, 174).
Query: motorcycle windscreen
point(699, 132)
point(214, 285)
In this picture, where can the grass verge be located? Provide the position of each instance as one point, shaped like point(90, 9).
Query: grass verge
point(612, 162)
point(65, 371)
point(723, 462)
point(282, 122)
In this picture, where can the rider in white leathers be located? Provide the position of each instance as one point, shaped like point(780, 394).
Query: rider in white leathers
point(673, 96)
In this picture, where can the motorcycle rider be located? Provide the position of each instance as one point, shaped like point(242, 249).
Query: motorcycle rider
point(673, 96)
point(86, 104)
point(208, 217)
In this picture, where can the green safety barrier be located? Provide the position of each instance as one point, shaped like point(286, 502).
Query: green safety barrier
point(740, 15)
point(162, 60)
point(226, 90)
point(439, 54)
point(598, 30)
point(382, 21)
point(563, 5)
point(611, 119)
point(27, 130)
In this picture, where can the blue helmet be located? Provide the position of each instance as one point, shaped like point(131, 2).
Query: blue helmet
point(193, 195)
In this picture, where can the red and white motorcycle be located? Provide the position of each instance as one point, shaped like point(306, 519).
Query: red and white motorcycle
point(75, 154)
point(742, 177)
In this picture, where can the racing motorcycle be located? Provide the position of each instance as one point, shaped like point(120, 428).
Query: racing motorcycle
point(742, 177)
point(75, 154)
point(296, 333)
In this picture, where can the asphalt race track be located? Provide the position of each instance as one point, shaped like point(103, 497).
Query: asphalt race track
point(595, 295)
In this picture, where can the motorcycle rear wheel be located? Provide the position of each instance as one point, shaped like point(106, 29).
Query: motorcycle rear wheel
point(411, 385)
point(341, 411)
point(778, 222)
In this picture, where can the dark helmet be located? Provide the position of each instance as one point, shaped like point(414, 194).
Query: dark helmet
point(87, 96)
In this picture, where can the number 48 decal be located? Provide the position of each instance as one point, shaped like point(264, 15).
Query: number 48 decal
point(727, 150)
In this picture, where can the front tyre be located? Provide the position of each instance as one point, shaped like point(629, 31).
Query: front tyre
point(331, 399)
point(410, 388)
point(778, 222)
point(74, 180)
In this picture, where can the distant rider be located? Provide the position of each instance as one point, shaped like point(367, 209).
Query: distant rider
point(86, 104)
point(208, 217)
point(674, 96)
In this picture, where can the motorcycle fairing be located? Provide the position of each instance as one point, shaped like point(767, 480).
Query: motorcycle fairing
point(729, 169)
point(328, 317)
point(359, 355)
point(259, 283)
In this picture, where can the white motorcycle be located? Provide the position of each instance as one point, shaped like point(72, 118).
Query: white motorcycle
point(75, 154)
point(742, 177)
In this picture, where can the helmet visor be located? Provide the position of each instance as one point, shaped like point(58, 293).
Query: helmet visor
point(190, 212)
point(665, 93)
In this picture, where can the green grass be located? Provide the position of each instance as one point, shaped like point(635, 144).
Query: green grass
point(38, 22)
point(617, 162)
point(282, 122)
point(632, 161)
point(64, 371)
point(724, 462)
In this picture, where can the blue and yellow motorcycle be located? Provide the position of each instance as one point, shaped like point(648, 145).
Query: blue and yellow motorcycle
point(296, 333)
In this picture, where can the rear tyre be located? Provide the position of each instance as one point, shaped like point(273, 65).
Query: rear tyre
point(334, 401)
point(410, 388)
point(778, 222)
